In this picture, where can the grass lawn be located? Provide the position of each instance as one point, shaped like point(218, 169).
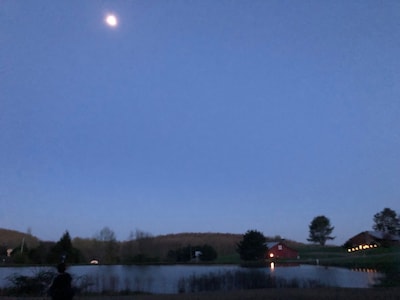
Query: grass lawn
point(380, 259)
point(384, 260)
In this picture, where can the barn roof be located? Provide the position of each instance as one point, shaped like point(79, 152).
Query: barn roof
point(383, 235)
point(271, 244)
point(377, 235)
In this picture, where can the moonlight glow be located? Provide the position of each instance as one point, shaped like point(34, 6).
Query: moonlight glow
point(111, 20)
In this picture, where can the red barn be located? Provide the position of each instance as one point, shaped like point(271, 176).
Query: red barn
point(280, 250)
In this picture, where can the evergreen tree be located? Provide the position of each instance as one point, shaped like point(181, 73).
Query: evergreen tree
point(63, 251)
point(252, 247)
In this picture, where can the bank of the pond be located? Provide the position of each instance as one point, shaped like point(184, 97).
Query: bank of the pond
point(270, 294)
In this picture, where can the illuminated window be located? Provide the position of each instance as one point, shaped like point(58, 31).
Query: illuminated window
point(279, 247)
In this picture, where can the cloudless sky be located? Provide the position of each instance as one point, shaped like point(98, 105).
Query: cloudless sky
point(198, 116)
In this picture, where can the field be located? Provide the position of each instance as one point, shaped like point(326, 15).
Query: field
point(379, 258)
point(270, 294)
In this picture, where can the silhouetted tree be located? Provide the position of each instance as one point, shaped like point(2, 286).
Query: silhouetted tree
point(144, 242)
point(63, 251)
point(387, 221)
point(3, 251)
point(40, 254)
point(128, 249)
point(107, 242)
point(187, 253)
point(208, 253)
point(20, 254)
point(252, 247)
point(320, 230)
point(181, 254)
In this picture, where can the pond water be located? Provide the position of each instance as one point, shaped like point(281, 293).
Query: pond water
point(165, 279)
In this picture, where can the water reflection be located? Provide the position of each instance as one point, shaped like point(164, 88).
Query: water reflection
point(165, 279)
point(365, 270)
point(272, 266)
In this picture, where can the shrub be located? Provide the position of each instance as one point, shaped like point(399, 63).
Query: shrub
point(22, 285)
point(240, 280)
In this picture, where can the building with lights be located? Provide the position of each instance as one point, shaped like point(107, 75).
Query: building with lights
point(371, 239)
point(279, 250)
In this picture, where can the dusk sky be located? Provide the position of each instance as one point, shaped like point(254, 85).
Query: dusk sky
point(198, 116)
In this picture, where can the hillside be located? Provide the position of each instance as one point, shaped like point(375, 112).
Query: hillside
point(12, 238)
point(223, 243)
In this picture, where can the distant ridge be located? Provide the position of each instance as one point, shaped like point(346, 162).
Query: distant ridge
point(12, 238)
point(224, 243)
point(154, 247)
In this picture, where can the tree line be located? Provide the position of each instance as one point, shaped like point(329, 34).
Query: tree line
point(104, 248)
point(253, 245)
point(386, 221)
point(141, 247)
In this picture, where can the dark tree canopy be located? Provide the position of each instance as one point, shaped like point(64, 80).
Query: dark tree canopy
point(106, 235)
point(320, 230)
point(187, 253)
point(252, 247)
point(64, 251)
point(208, 253)
point(387, 221)
point(108, 246)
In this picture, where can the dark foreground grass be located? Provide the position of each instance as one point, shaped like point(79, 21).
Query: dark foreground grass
point(261, 294)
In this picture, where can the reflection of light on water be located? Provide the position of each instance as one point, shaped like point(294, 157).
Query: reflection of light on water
point(372, 275)
point(272, 265)
point(365, 270)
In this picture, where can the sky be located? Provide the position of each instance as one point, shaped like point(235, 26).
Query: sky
point(198, 116)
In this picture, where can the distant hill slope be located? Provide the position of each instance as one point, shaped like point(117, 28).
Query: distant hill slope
point(157, 246)
point(12, 238)
point(223, 243)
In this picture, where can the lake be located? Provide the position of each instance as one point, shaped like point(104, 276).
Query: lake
point(165, 279)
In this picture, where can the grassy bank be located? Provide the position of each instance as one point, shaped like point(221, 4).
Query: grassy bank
point(379, 259)
point(383, 260)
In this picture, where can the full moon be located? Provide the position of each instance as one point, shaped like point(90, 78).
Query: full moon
point(111, 20)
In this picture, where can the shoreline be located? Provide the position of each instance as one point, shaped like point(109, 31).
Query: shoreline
point(258, 294)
